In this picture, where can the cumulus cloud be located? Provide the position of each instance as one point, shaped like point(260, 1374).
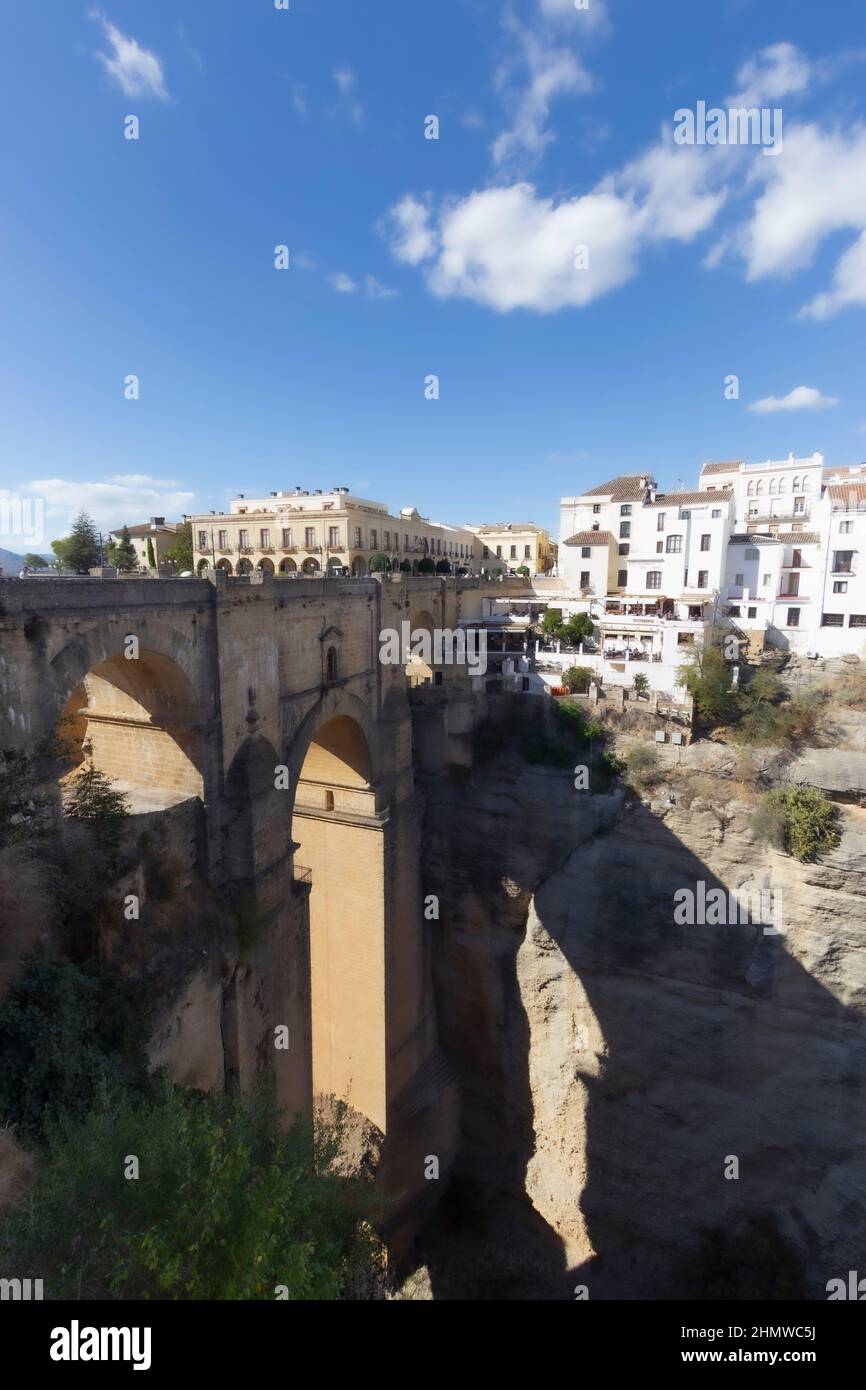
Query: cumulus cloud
point(849, 284)
point(343, 283)
point(778, 71)
point(137, 71)
point(801, 398)
point(122, 498)
point(375, 290)
point(412, 236)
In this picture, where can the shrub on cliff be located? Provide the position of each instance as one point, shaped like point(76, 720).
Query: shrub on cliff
point(642, 765)
point(66, 1031)
point(799, 820)
point(707, 678)
point(577, 679)
point(190, 1196)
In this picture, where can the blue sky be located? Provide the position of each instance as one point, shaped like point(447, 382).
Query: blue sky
point(409, 256)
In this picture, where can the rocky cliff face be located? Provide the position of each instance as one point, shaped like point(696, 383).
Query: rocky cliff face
point(616, 1065)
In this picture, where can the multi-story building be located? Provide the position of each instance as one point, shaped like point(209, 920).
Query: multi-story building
point(300, 532)
point(161, 533)
point(513, 545)
point(843, 578)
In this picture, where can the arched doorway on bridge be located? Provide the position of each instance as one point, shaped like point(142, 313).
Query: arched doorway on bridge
point(419, 671)
point(137, 721)
point(339, 836)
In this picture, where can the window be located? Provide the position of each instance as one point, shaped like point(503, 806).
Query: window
point(793, 617)
point(685, 516)
point(660, 545)
point(738, 580)
point(842, 561)
point(654, 579)
point(243, 538)
point(331, 664)
point(832, 619)
point(513, 553)
point(527, 552)
point(772, 484)
point(624, 549)
point(310, 537)
point(334, 535)
point(750, 553)
point(584, 579)
point(799, 506)
point(358, 537)
point(768, 579)
point(792, 584)
point(596, 508)
point(621, 579)
point(387, 540)
point(499, 552)
point(840, 586)
point(202, 540)
point(595, 526)
point(486, 555)
point(265, 538)
point(845, 528)
point(224, 540)
point(405, 542)
point(287, 537)
point(374, 538)
point(624, 530)
point(716, 513)
point(796, 483)
point(753, 613)
point(674, 545)
point(857, 620)
point(705, 541)
point(625, 509)
point(585, 552)
point(703, 578)
point(660, 524)
point(734, 610)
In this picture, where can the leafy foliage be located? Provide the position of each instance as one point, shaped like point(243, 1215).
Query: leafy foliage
point(66, 1031)
point(642, 765)
point(641, 684)
point(800, 820)
point(426, 566)
point(79, 550)
point(181, 554)
point(226, 1205)
point(151, 554)
point(707, 677)
point(379, 563)
point(577, 679)
point(93, 801)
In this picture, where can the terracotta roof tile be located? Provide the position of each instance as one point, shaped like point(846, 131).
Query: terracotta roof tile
point(682, 499)
point(626, 488)
point(733, 467)
point(590, 538)
point(848, 494)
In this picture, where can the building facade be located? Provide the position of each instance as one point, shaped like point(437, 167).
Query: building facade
point(304, 533)
point(161, 533)
point(507, 546)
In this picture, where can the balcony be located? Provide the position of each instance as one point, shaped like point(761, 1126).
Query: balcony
point(245, 550)
point(787, 514)
point(288, 549)
point(313, 549)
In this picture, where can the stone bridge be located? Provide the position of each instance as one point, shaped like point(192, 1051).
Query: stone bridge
point(263, 704)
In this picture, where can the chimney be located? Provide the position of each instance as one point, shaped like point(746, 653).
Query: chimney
point(156, 521)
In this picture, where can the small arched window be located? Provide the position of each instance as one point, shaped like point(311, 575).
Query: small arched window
point(760, 488)
point(751, 489)
point(331, 665)
point(796, 484)
point(806, 483)
point(772, 484)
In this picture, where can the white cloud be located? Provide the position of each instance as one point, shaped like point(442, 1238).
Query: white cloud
point(553, 71)
point(345, 80)
point(413, 239)
point(801, 398)
point(849, 284)
point(375, 290)
point(593, 18)
point(122, 498)
point(677, 187)
point(778, 71)
point(135, 69)
point(346, 83)
point(343, 283)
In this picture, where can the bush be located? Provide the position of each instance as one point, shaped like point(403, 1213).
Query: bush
point(642, 765)
point(226, 1205)
point(576, 628)
point(707, 678)
point(799, 820)
point(66, 1032)
point(379, 564)
point(641, 684)
point(93, 801)
point(577, 679)
point(426, 566)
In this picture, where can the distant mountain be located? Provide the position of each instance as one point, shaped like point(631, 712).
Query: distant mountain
point(12, 564)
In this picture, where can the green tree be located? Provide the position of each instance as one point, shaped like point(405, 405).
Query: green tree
point(226, 1205)
point(707, 677)
point(34, 562)
point(443, 567)
point(577, 679)
point(151, 555)
point(181, 553)
point(551, 623)
point(79, 550)
point(799, 820)
point(426, 566)
point(576, 629)
point(522, 569)
point(379, 564)
point(125, 557)
point(406, 566)
point(93, 801)
point(641, 684)
point(66, 1031)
